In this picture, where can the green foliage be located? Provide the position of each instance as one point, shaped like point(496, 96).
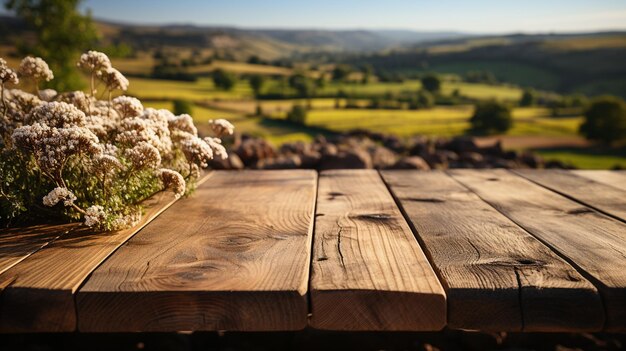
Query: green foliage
point(423, 99)
point(61, 32)
point(480, 77)
point(605, 120)
point(170, 71)
point(432, 83)
point(182, 107)
point(301, 84)
point(491, 117)
point(297, 114)
point(341, 73)
point(224, 80)
point(121, 50)
point(256, 83)
point(528, 98)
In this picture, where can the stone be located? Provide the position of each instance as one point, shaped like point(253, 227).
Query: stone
point(412, 162)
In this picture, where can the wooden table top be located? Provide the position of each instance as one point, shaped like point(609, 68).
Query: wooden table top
point(346, 250)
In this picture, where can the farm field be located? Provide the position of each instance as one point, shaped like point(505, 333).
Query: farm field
point(529, 123)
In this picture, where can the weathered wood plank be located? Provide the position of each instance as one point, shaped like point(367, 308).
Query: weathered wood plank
point(235, 256)
point(38, 293)
point(368, 271)
point(591, 241)
point(616, 179)
point(16, 244)
point(602, 197)
point(497, 276)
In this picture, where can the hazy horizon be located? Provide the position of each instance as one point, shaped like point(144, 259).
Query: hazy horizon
point(478, 17)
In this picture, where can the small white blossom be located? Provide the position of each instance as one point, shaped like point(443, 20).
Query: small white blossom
point(106, 164)
point(222, 127)
point(59, 194)
point(57, 114)
point(47, 94)
point(51, 147)
point(217, 147)
point(94, 215)
point(128, 106)
point(182, 123)
point(35, 68)
point(94, 61)
point(113, 79)
point(126, 221)
point(143, 155)
point(172, 180)
point(7, 75)
point(197, 151)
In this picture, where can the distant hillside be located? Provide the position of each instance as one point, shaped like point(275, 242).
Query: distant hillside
point(242, 43)
point(590, 63)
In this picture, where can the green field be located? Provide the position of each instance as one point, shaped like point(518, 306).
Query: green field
point(239, 107)
point(584, 158)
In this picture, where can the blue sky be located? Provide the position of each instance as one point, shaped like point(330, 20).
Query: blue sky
point(481, 16)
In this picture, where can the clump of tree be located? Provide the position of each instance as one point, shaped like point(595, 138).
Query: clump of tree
point(491, 117)
point(367, 70)
point(61, 33)
point(529, 98)
point(431, 83)
point(605, 120)
point(224, 80)
point(297, 114)
point(302, 85)
point(485, 77)
point(341, 73)
point(256, 82)
point(423, 99)
point(170, 71)
point(182, 107)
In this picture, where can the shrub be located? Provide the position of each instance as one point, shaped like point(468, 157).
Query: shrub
point(491, 116)
point(224, 80)
point(70, 156)
point(432, 83)
point(182, 107)
point(605, 120)
point(528, 98)
point(423, 99)
point(256, 83)
point(297, 114)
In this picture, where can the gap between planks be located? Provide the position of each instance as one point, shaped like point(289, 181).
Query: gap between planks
point(368, 271)
point(497, 276)
point(590, 241)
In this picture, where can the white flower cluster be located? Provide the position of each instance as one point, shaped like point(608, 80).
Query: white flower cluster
point(172, 180)
point(117, 144)
point(57, 195)
point(52, 147)
point(35, 68)
point(57, 114)
point(93, 61)
point(222, 127)
point(94, 215)
point(113, 79)
point(127, 106)
point(7, 75)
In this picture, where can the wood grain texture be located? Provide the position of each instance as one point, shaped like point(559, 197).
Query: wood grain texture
point(497, 276)
point(38, 295)
point(594, 243)
point(235, 256)
point(18, 243)
point(602, 197)
point(616, 179)
point(368, 271)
